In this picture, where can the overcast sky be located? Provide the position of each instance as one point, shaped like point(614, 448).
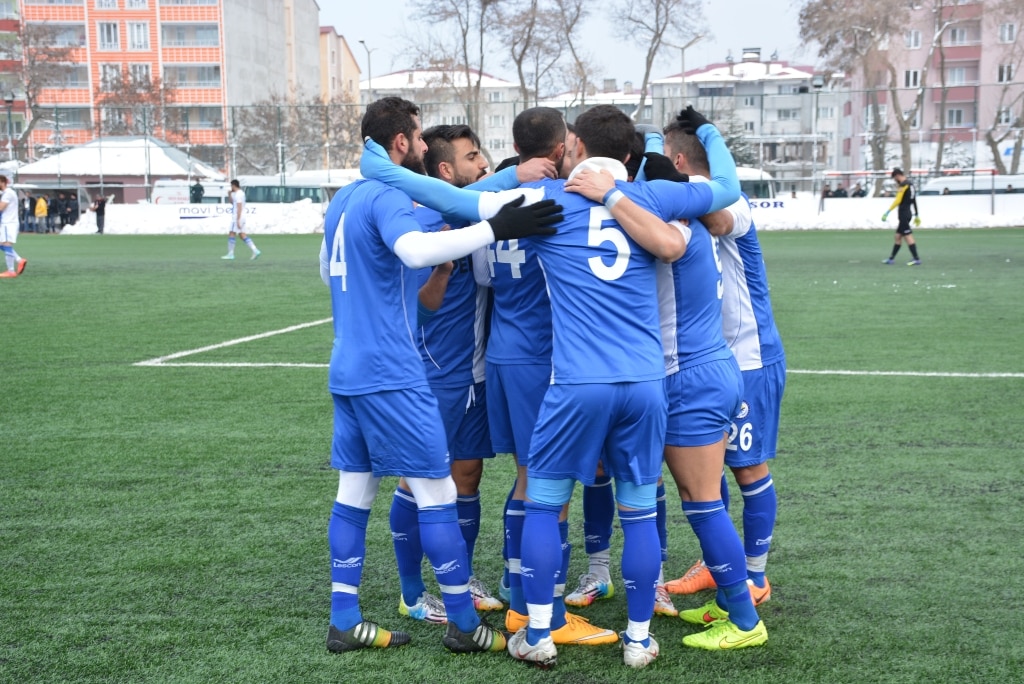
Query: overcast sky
point(768, 24)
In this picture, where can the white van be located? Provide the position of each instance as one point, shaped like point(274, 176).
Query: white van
point(755, 183)
point(978, 184)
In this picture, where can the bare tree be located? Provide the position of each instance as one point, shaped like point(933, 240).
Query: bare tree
point(39, 56)
point(581, 72)
point(529, 28)
point(277, 136)
point(135, 104)
point(652, 24)
point(1007, 124)
point(464, 47)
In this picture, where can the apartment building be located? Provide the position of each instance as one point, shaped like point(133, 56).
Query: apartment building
point(216, 54)
point(972, 80)
point(339, 73)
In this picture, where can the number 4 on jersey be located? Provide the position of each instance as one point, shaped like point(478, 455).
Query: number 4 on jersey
point(338, 266)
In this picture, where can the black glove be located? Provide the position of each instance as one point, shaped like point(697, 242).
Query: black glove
point(660, 167)
point(507, 162)
point(690, 120)
point(515, 221)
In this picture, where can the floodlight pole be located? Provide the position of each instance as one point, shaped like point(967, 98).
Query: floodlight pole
point(369, 71)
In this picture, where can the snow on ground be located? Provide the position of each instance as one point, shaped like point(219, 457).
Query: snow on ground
point(780, 213)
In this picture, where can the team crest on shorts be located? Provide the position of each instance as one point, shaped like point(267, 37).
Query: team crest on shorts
point(744, 410)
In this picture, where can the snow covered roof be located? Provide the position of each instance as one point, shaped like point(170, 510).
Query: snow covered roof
point(435, 77)
point(122, 156)
point(743, 71)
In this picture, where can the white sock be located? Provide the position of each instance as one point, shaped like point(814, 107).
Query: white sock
point(599, 562)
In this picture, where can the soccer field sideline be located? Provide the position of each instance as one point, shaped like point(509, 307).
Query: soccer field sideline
point(168, 360)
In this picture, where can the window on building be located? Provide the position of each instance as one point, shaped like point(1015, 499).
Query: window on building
point(334, 84)
point(137, 4)
point(958, 35)
point(138, 35)
point(189, 2)
point(748, 126)
point(912, 39)
point(1005, 74)
point(954, 117)
point(496, 144)
point(1004, 117)
point(110, 76)
point(75, 76)
point(106, 4)
point(109, 36)
point(141, 73)
point(911, 78)
point(788, 114)
point(495, 96)
point(334, 57)
point(869, 120)
point(495, 120)
point(956, 76)
point(65, 35)
point(1007, 33)
point(749, 101)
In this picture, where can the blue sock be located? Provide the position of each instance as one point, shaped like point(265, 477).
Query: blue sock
point(725, 491)
point(759, 507)
point(469, 523)
point(558, 598)
point(723, 554)
point(514, 538)
point(504, 543)
point(346, 537)
point(541, 559)
point(662, 508)
point(598, 514)
point(443, 544)
point(405, 536)
point(641, 561)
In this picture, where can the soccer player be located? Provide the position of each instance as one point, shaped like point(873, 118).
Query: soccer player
point(386, 420)
point(906, 199)
point(450, 340)
point(704, 388)
point(750, 331)
point(238, 223)
point(9, 230)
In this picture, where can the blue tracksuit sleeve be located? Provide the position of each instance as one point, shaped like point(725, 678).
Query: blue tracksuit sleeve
point(653, 142)
point(505, 179)
point(454, 203)
point(725, 186)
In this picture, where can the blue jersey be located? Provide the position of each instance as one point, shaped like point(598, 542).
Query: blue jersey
point(747, 319)
point(521, 316)
point(373, 294)
point(451, 342)
point(690, 298)
point(604, 308)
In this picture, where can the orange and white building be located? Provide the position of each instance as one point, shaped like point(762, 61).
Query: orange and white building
point(217, 54)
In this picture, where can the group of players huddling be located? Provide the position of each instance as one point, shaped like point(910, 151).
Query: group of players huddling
point(595, 309)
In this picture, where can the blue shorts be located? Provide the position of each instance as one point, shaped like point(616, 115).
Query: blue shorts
point(620, 424)
point(397, 432)
point(755, 429)
point(702, 401)
point(514, 396)
point(464, 414)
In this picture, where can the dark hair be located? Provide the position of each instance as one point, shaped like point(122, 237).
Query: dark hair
point(679, 140)
point(897, 172)
point(606, 131)
point(234, 182)
point(439, 141)
point(636, 155)
point(3, 179)
point(386, 118)
point(537, 131)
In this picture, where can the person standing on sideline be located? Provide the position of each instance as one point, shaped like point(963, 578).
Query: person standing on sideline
point(99, 206)
point(387, 422)
point(238, 223)
point(9, 230)
point(906, 199)
point(40, 210)
point(196, 192)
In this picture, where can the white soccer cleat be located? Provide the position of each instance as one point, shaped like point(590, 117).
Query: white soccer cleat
point(636, 655)
point(543, 654)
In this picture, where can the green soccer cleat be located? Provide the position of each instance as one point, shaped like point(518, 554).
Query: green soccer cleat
point(707, 614)
point(364, 635)
point(483, 639)
point(228, 257)
point(724, 635)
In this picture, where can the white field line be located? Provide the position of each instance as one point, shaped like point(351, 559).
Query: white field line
point(166, 360)
point(162, 360)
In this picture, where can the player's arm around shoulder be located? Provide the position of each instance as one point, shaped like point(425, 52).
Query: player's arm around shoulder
point(666, 242)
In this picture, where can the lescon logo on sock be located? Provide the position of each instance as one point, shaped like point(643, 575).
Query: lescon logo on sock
point(446, 567)
point(725, 567)
point(353, 562)
point(525, 571)
point(399, 536)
